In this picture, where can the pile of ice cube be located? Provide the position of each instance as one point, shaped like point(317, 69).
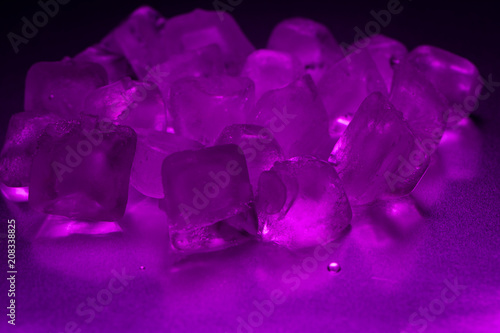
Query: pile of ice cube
point(234, 143)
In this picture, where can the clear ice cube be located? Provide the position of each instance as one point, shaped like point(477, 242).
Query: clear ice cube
point(81, 170)
point(300, 201)
point(377, 156)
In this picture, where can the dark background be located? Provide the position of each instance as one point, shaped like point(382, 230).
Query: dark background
point(468, 29)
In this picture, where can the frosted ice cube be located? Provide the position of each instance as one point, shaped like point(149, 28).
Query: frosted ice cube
point(202, 107)
point(81, 170)
point(300, 201)
point(201, 28)
point(309, 41)
point(297, 119)
point(345, 85)
point(127, 102)
point(270, 70)
point(61, 87)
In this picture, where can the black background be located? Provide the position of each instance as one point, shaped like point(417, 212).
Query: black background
point(468, 29)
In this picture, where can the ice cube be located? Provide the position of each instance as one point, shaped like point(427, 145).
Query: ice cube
point(300, 201)
point(202, 107)
point(377, 156)
point(61, 87)
point(297, 119)
point(141, 40)
point(423, 107)
point(116, 65)
point(152, 148)
point(208, 198)
point(201, 28)
point(309, 41)
point(453, 76)
point(386, 53)
point(258, 145)
point(270, 70)
point(17, 153)
point(81, 170)
point(127, 102)
point(345, 85)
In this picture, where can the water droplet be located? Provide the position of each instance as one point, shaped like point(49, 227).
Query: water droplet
point(143, 268)
point(51, 96)
point(334, 267)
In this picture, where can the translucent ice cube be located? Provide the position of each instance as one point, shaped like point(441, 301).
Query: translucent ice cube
point(297, 119)
point(127, 102)
point(201, 28)
point(453, 76)
point(386, 53)
point(19, 147)
point(309, 41)
point(345, 85)
point(377, 156)
point(202, 107)
point(258, 145)
point(208, 198)
point(270, 70)
point(116, 65)
point(152, 148)
point(61, 87)
point(81, 170)
point(421, 104)
point(140, 39)
point(300, 201)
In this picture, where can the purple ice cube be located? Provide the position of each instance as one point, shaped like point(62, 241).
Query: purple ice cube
point(81, 170)
point(19, 148)
point(270, 70)
point(208, 198)
point(423, 107)
point(300, 201)
point(377, 156)
point(453, 76)
point(140, 39)
point(202, 107)
point(127, 102)
point(61, 87)
point(201, 28)
point(116, 65)
point(297, 119)
point(152, 148)
point(386, 53)
point(309, 41)
point(345, 85)
point(258, 145)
